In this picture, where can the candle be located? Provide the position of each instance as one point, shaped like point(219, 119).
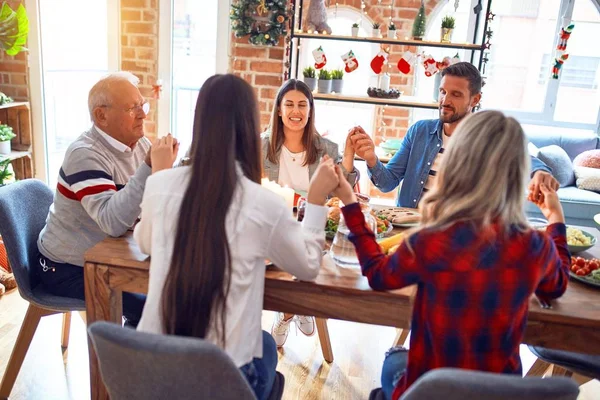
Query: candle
point(384, 82)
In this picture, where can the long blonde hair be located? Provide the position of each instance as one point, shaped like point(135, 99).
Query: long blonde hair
point(482, 177)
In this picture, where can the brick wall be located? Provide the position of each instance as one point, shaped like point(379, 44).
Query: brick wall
point(139, 49)
point(13, 70)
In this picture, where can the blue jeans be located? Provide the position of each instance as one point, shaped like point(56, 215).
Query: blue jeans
point(66, 280)
point(260, 372)
point(394, 367)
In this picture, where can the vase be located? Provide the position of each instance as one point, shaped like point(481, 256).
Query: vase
point(311, 83)
point(354, 31)
point(337, 85)
point(324, 86)
point(5, 147)
point(391, 34)
point(376, 32)
point(446, 36)
point(436, 86)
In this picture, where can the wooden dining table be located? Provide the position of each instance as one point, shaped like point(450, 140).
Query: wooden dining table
point(116, 265)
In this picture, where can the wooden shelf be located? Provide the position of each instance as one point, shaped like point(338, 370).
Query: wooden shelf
point(16, 104)
point(406, 42)
point(402, 101)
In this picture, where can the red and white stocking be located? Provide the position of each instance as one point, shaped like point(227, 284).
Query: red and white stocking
point(350, 61)
point(406, 62)
point(378, 62)
point(320, 58)
point(431, 66)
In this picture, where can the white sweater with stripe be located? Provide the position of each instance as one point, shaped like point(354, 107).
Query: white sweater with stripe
point(98, 194)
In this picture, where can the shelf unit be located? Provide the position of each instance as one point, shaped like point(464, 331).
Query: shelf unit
point(297, 34)
point(17, 115)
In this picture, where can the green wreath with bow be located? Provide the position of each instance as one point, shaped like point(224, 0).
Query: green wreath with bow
point(264, 20)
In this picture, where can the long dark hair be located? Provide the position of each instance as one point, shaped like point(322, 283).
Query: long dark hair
point(309, 138)
point(226, 130)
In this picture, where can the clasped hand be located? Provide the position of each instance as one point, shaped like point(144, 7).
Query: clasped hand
point(329, 178)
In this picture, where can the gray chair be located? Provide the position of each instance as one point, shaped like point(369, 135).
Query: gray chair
point(458, 384)
point(566, 361)
point(139, 366)
point(24, 207)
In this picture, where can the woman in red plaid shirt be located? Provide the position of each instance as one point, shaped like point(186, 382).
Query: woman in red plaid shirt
point(475, 259)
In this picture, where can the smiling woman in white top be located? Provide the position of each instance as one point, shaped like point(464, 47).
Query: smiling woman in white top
point(210, 226)
point(291, 150)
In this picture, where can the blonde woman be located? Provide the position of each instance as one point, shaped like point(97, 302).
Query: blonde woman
point(291, 151)
point(475, 259)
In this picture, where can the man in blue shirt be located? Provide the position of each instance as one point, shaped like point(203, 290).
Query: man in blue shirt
point(415, 163)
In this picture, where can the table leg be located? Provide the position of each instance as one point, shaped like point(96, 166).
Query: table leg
point(401, 336)
point(324, 339)
point(98, 307)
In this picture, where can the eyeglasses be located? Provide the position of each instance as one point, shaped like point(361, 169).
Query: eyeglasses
point(135, 110)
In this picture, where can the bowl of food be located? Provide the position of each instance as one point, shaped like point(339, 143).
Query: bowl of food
point(597, 221)
point(578, 240)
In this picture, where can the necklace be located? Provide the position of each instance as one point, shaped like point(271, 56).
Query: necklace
point(293, 155)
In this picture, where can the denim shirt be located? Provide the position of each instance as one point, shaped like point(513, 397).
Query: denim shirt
point(412, 162)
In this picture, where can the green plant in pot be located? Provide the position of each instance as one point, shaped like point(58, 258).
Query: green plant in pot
point(337, 83)
point(6, 173)
point(391, 33)
point(418, 30)
point(355, 29)
point(447, 29)
point(324, 85)
point(376, 29)
point(310, 79)
point(6, 135)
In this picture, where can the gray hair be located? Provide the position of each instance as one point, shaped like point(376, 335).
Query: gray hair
point(99, 94)
point(483, 175)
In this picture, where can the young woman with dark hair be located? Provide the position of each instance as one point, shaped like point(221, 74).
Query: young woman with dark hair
point(210, 226)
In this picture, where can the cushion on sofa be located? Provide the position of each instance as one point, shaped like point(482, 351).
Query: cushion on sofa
point(572, 143)
point(558, 160)
point(588, 178)
point(590, 159)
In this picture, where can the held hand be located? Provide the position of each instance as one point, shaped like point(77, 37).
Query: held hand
point(364, 147)
point(324, 181)
point(539, 178)
point(344, 191)
point(549, 204)
point(349, 147)
point(163, 153)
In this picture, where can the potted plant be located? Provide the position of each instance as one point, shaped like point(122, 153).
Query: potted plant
point(337, 84)
point(447, 28)
point(391, 33)
point(324, 81)
point(418, 30)
point(310, 77)
point(355, 29)
point(5, 171)
point(376, 29)
point(6, 135)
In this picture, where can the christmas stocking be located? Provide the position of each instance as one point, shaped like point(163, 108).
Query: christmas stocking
point(431, 67)
point(350, 61)
point(408, 59)
point(378, 62)
point(320, 58)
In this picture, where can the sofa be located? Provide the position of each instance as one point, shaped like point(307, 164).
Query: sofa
point(579, 205)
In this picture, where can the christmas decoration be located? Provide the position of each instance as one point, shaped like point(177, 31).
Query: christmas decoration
point(14, 27)
point(558, 63)
point(320, 57)
point(317, 17)
point(456, 3)
point(157, 89)
point(378, 62)
point(265, 21)
point(431, 66)
point(565, 33)
point(406, 62)
point(350, 61)
point(418, 30)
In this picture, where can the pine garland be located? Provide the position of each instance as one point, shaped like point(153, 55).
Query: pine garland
point(243, 20)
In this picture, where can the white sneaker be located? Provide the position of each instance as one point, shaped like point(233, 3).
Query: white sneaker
point(305, 324)
point(280, 329)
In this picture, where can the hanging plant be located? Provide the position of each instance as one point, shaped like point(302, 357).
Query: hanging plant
point(265, 21)
point(14, 27)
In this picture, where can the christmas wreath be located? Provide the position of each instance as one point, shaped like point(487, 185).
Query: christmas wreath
point(264, 20)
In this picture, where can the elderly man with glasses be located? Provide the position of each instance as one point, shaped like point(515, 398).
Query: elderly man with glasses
point(100, 186)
